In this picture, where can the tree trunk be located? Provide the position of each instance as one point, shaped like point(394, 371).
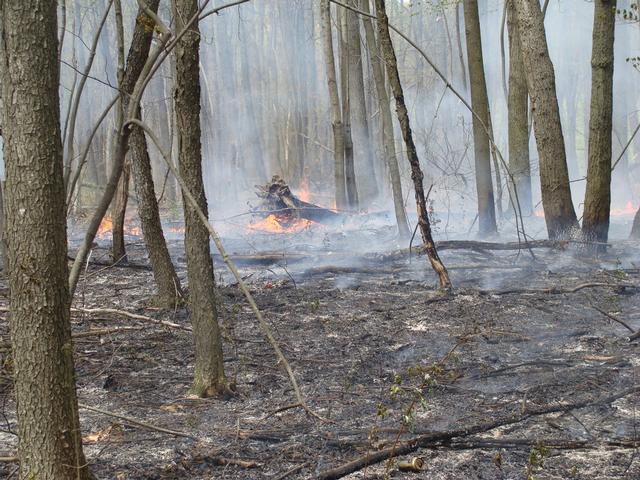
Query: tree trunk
point(389, 57)
point(518, 111)
point(119, 210)
point(559, 213)
point(336, 114)
point(359, 121)
point(168, 283)
point(209, 378)
point(480, 104)
point(387, 124)
point(349, 161)
point(50, 441)
point(597, 199)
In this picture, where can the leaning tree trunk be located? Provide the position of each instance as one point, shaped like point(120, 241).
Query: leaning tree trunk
point(336, 114)
point(209, 378)
point(518, 113)
point(597, 199)
point(169, 289)
point(359, 120)
point(481, 121)
point(386, 121)
point(389, 56)
point(168, 283)
point(349, 160)
point(50, 442)
point(559, 213)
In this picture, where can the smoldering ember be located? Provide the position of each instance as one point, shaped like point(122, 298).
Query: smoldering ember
point(319, 239)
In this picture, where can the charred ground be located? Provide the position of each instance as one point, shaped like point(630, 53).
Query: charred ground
point(368, 340)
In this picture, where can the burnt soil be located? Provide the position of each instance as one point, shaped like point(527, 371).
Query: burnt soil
point(370, 344)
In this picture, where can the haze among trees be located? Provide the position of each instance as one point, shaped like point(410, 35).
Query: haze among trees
point(162, 158)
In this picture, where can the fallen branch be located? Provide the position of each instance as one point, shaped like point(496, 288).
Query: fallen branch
point(9, 460)
point(104, 331)
point(558, 290)
point(233, 461)
point(430, 439)
point(134, 316)
point(615, 319)
point(138, 423)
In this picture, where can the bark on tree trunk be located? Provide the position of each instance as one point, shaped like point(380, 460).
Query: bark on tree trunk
point(597, 199)
point(480, 104)
point(389, 57)
point(559, 213)
point(518, 111)
point(349, 161)
point(168, 283)
point(119, 210)
point(386, 122)
point(50, 442)
point(209, 378)
point(336, 114)
point(359, 121)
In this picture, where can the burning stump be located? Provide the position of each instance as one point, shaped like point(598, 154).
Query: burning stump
point(283, 211)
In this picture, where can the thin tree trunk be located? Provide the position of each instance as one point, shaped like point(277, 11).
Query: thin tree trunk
point(559, 213)
point(349, 161)
point(119, 207)
point(389, 56)
point(209, 378)
point(359, 121)
point(463, 71)
point(336, 114)
point(518, 112)
point(480, 104)
point(50, 441)
point(386, 122)
point(597, 200)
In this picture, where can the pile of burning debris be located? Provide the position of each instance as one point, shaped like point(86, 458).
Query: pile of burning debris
point(280, 211)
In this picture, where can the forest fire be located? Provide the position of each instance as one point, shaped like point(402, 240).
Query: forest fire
point(281, 224)
point(106, 227)
point(628, 209)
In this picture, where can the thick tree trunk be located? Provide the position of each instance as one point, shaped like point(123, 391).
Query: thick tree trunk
point(417, 176)
point(359, 120)
point(559, 213)
point(168, 283)
point(349, 160)
point(50, 441)
point(386, 121)
point(518, 112)
point(209, 378)
point(597, 200)
point(336, 114)
point(480, 104)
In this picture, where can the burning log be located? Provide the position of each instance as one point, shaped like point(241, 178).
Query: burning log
point(277, 200)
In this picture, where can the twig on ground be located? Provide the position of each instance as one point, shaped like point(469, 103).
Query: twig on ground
point(615, 319)
point(138, 423)
point(134, 316)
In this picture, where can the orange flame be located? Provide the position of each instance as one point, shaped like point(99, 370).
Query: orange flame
point(304, 193)
point(105, 228)
point(627, 210)
point(274, 225)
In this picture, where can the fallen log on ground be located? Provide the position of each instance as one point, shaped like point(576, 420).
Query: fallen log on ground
point(428, 439)
point(278, 200)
